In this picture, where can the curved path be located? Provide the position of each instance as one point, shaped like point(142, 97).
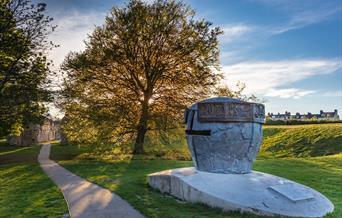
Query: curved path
point(85, 199)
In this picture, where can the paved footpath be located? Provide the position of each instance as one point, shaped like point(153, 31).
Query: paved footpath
point(85, 199)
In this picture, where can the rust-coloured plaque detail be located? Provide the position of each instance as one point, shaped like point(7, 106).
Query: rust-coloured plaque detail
point(231, 112)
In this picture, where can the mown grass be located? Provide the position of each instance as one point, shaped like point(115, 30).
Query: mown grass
point(129, 179)
point(66, 152)
point(17, 154)
point(302, 140)
point(25, 190)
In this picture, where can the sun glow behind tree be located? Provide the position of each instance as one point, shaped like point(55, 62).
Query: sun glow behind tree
point(140, 70)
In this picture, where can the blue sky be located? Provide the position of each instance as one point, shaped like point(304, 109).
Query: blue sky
point(286, 52)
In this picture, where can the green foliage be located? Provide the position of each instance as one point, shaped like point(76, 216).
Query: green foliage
point(302, 141)
point(23, 64)
point(138, 72)
point(169, 145)
point(226, 91)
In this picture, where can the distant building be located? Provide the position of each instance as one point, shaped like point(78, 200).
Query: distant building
point(321, 116)
point(278, 116)
point(36, 133)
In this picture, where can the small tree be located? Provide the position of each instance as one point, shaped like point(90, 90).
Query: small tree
point(226, 91)
point(142, 67)
point(23, 65)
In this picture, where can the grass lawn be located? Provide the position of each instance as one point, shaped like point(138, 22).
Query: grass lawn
point(302, 140)
point(17, 154)
point(128, 179)
point(25, 190)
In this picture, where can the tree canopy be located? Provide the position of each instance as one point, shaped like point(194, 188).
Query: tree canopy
point(23, 64)
point(139, 71)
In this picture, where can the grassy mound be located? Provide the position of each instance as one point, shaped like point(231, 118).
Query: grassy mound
point(302, 140)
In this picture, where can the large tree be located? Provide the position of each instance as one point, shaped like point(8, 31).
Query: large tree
point(141, 69)
point(23, 64)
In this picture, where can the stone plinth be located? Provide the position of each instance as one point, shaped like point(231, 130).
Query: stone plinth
point(255, 192)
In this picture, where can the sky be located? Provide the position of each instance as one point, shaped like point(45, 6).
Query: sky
point(287, 52)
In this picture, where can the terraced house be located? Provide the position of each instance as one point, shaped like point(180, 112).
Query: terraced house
point(321, 116)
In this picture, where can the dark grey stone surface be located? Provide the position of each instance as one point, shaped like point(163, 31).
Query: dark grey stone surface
point(230, 147)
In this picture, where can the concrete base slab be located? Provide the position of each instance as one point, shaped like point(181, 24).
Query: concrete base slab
point(255, 192)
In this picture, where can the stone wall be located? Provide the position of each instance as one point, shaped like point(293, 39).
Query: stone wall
point(34, 134)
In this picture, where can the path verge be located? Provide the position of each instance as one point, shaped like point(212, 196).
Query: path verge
point(84, 198)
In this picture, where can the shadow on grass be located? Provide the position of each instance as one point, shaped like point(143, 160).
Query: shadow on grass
point(129, 180)
point(17, 154)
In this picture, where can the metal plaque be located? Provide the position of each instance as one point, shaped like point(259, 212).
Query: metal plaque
point(231, 112)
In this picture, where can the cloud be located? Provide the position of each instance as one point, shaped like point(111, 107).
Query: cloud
point(302, 13)
point(232, 32)
point(242, 36)
point(270, 78)
point(306, 18)
point(72, 29)
point(149, 1)
point(289, 93)
point(337, 93)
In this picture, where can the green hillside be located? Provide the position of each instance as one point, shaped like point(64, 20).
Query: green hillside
point(312, 140)
point(279, 141)
point(302, 140)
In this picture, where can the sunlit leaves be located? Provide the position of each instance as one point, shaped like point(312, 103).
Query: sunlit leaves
point(141, 69)
point(23, 65)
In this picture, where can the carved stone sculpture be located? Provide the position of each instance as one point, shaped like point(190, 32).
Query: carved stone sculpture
point(224, 134)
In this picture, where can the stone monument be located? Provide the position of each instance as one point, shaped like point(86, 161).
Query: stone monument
point(224, 136)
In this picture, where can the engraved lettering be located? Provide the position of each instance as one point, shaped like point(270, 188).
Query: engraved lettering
point(230, 112)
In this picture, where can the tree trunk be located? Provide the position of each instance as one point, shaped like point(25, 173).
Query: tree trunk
point(142, 128)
